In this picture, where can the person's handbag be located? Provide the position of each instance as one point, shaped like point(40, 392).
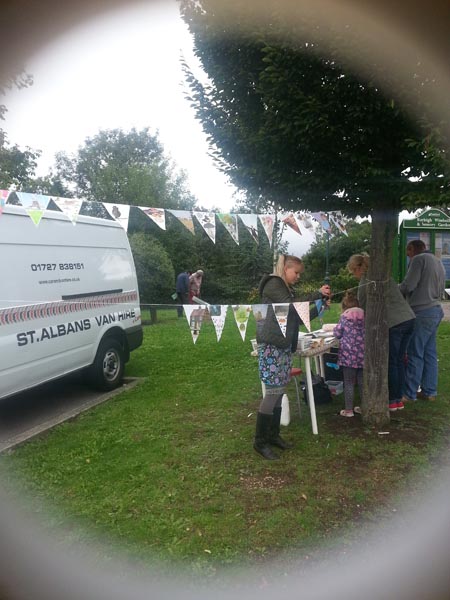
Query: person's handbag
point(322, 394)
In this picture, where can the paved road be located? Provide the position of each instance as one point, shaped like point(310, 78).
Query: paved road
point(28, 414)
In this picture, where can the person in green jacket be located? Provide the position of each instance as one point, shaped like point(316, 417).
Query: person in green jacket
point(275, 349)
point(400, 320)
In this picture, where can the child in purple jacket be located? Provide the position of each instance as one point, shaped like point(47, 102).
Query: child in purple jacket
point(350, 333)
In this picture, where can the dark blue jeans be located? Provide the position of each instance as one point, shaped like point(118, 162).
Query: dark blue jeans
point(422, 367)
point(183, 298)
point(399, 337)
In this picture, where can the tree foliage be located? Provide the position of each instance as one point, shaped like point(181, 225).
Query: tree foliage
point(230, 270)
point(125, 167)
point(17, 167)
point(288, 120)
point(153, 268)
point(18, 171)
point(341, 247)
point(131, 168)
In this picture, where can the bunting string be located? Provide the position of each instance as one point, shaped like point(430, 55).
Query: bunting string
point(23, 312)
point(104, 302)
point(35, 206)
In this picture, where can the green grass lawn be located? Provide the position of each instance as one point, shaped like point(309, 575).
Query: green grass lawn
point(166, 470)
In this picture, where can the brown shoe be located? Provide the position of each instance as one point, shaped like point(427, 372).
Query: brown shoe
point(406, 399)
point(423, 396)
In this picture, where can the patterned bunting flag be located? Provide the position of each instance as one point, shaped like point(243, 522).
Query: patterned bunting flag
point(241, 315)
point(185, 217)
point(230, 222)
point(34, 204)
point(302, 309)
point(338, 221)
point(281, 313)
point(291, 221)
point(251, 223)
point(320, 306)
point(194, 315)
point(218, 313)
point(260, 314)
point(70, 207)
point(119, 212)
point(155, 214)
point(3, 198)
point(208, 222)
point(304, 220)
point(268, 223)
point(322, 219)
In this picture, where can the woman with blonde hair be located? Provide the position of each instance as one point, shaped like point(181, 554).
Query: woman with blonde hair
point(400, 318)
point(275, 348)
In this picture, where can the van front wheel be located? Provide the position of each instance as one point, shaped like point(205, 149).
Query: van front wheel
point(106, 371)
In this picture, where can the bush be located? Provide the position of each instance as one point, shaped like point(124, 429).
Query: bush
point(154, 269)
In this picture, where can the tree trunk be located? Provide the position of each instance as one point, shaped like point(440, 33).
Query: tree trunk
point(375, 404)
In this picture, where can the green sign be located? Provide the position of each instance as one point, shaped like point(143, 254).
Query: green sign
point(432, 218)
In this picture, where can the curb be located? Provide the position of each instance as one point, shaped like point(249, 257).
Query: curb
point(11, 443)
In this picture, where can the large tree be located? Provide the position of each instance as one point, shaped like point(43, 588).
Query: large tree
point(132, 168)
point(288, 120)
point(129, 167)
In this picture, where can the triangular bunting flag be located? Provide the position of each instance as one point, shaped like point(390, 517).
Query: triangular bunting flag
point(251, 223)
point(155, 214)
point(208, 222)
point(241, 315)
point(302, 309)
point(185, 216)
point(260, 312)
point(194, 315)
point(218, 313)
point(268, 223)
point(3, 198)
point(338, 221)
point(34, 204)
point(70, 207)
point(119, 212)
point(304, 220)
point(281, 313)
point(322, 219)
point(291, 221)
point(230, 222)
point(320, 306)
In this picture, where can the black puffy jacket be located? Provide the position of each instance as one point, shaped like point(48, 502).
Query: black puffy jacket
point(273, 289)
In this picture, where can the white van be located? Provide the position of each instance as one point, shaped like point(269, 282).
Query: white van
point(68, 300)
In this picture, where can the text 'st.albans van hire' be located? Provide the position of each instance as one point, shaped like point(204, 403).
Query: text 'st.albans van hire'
point(68, 300)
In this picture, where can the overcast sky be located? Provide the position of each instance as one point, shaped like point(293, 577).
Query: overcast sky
point(121, 70)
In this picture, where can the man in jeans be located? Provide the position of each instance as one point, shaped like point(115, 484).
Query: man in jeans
point(182, 290)
point(423, 287)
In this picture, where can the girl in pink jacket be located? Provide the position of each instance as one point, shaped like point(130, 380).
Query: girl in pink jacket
point(350, 333)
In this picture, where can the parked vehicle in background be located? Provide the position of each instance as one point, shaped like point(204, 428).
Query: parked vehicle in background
point(69, 300)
